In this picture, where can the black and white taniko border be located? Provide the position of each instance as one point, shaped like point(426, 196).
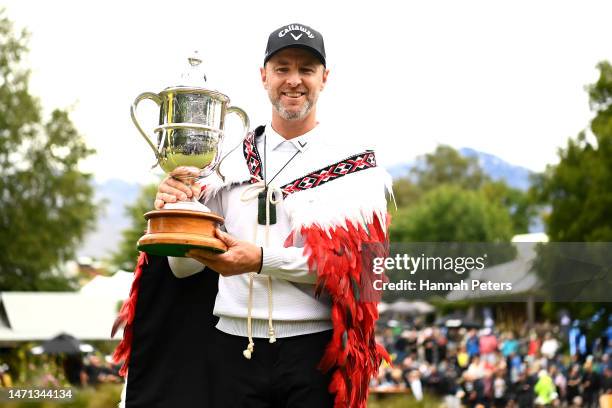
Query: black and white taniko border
point(352, 164)
point(251, 154)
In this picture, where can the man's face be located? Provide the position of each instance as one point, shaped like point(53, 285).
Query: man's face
point(293, 78)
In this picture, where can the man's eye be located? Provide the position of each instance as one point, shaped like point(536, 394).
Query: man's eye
point(281, 69)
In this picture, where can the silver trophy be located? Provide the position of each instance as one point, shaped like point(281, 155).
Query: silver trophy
point(190, 133)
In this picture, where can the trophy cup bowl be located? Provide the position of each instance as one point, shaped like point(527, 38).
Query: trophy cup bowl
point(190, 131)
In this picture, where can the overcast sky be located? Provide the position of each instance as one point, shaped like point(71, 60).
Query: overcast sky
point(506, 78)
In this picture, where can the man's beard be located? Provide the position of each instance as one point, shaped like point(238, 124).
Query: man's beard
point(291, 115)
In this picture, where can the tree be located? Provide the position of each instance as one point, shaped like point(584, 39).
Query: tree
point(126, 255)
point(578, 191)
point(450, 222)
point(406, 192)
point(519, 204)
point(579, 188)
point(449, 213)
point(447, 166)
point(46, 202)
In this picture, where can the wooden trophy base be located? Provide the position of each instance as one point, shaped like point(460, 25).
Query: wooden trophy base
point(174, 232)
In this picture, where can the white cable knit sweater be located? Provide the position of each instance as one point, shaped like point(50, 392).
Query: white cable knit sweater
point(295, 310)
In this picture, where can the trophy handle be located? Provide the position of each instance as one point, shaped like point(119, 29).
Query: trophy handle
point(245, 123)
point(155, 98)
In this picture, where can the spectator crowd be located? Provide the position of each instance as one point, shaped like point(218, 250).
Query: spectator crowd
point(545, 365)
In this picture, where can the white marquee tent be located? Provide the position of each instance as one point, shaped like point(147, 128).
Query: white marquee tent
point(86, 315)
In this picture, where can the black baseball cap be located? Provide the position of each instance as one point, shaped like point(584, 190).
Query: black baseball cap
point(295, 35)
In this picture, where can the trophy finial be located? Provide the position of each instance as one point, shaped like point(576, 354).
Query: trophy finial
point(194, 59)
point(194, 74)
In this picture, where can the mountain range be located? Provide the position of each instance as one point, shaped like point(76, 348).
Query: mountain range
point(496, 168)
point(113, 195)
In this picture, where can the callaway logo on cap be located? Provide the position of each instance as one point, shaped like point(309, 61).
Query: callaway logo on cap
point(295, 35)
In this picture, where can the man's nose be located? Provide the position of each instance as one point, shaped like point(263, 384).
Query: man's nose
point(294, 79)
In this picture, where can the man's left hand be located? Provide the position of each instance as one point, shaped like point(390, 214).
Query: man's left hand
point(241, 256)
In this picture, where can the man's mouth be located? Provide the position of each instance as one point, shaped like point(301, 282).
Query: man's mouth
point(293, 94)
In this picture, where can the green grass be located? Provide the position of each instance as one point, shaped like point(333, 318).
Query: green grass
point(402, 401)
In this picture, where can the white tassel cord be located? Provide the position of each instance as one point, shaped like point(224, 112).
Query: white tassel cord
point(250, 193)
point(248, 352)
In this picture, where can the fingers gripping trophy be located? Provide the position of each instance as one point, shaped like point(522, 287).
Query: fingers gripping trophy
point(190, 133)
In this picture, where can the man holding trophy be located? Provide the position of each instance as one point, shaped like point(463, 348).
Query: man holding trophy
point(294, 328)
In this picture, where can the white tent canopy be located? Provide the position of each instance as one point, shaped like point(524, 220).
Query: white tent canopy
point(86, 315)
point(116, 286)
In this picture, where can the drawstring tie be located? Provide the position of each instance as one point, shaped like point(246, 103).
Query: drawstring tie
point(250, 193)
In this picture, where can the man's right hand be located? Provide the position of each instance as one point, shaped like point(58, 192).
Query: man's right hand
point(172, 189)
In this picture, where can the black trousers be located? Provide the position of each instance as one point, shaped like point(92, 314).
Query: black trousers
point(278, 375)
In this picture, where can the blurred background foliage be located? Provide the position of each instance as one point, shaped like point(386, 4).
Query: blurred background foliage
point(46, 202)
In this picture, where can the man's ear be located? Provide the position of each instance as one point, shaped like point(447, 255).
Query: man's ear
point(325, 74)
point(264, 77)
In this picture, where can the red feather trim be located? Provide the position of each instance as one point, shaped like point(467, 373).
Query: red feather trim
point(338, 257)
point(126, 318)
